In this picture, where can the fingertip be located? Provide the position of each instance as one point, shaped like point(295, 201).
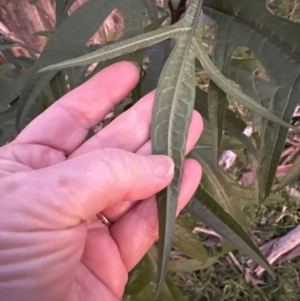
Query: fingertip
point(193, 167)
point(137, 230)
point(130, 69)
point(190, 181)
point(198, 120)
point(195, 131)
point(125, 70)
point(163, 166)
point(136, 65)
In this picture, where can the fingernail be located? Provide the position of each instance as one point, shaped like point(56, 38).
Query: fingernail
point(163, 165)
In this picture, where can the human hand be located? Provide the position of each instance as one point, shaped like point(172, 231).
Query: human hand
point(52, 246)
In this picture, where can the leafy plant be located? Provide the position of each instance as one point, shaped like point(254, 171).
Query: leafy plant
point(176, 52)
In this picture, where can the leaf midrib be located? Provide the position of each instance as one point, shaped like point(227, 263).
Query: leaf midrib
point(181, 73)
point(161, 34)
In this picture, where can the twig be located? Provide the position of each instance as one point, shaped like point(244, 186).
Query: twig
point(280, 249)
point(207, 231)
point(236, 262)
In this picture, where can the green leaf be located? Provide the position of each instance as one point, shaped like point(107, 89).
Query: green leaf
point(61, 10)
point(133, 12)
point(7, 43)
point(58, 85)
point(156, 55)
point(6, 68)
point(256, 12)
point(257, 88)
point(151, 38)
point(174, 102)
point(145, 294)
point(231, 128)
point(210, 212)
point(273, 138)
point(233, 125)
point(190, 265)
point(151, 8)
point(217, 100)
point(5, 47)
point(231, 90)
point(11, 89)
point(154, 25)
point(76, 75)
point(170, 292)
point(156, 62)
point(68, 41)
point(217, 103)
point(187, 222)
point(273, 41)
point(7, 125)
point(215, 181)
point(23, 62)
point(43, 33)
point(188, 243)
point(122, 47)
point(141, 276)
point(7, 115)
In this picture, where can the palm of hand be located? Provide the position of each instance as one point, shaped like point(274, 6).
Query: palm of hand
point(51, 245)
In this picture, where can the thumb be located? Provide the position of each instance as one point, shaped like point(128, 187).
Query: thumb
point(79, 188)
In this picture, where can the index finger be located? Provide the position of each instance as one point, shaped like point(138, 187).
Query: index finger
point(66, 123)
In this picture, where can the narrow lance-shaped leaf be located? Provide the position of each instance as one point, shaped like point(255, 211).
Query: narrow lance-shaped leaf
point(61, 10)
point(148, 264)
point(12, 89)
point(222, 200)
point(133, 11)
point(141, 276)
point(151, 8)
point(148, 39)
point(68, 41)
point(156, 24)
point(187, 243)
point(145, 294)
point(214, 179)
point(233, 131)
point(234, 126)
point(58, 85)
point(6, 43)
point(221, 81)
point(156, 62)
point(273, 41)
point(190, 265)
point(210, 212)
point(122, 47)
point(171, 292)
point(217, 104)
point(172, 111)
point(273, 138)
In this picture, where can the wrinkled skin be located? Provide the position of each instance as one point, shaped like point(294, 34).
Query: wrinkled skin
point(52, 247)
